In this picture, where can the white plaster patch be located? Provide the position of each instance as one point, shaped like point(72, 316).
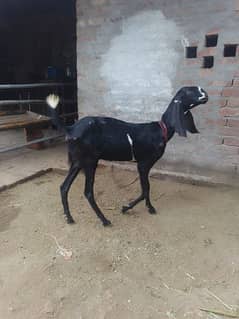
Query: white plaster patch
point(140, 66)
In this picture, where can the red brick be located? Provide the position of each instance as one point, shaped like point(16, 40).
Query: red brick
point(229, 131)
point(236, 5)
point(231, 141)
point(229, 149)
point(233, 122)
point(194, 44)
point(236, 82)
point(188, 82)
point(229, 111)
point(222, 102)
point(236, 74)
point(220, 122)
point(217, 92)
point(233, 102)
point(192, 62)
point(228, 60)
point(220, 83)
point(233, 91)
point(217, 102)
point(207, 52)
point(205, 72)
point(213, 31)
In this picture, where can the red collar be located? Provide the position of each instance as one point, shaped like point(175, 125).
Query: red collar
point(164, 131)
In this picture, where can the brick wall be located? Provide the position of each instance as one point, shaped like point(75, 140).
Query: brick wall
point(132, 58)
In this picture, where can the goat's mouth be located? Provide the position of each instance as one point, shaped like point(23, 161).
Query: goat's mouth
point(204, 100)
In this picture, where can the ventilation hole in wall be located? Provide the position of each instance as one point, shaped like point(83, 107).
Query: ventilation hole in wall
point(230, 50)
point(211, 40)
point(208, 62)
point(191, 52)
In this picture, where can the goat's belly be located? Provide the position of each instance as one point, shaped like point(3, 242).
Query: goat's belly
point(117, 153)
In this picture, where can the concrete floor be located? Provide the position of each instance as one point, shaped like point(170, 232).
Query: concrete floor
point(168, 265)
point(23, 164)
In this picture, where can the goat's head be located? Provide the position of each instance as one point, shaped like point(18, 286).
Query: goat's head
point(186, 98)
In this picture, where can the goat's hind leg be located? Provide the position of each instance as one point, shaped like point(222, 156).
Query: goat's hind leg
point(89, 192)
point(65, 187)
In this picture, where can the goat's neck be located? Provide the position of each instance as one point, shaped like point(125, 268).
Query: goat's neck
point(166, 119)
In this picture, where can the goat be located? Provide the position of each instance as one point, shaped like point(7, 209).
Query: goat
point(93, 138)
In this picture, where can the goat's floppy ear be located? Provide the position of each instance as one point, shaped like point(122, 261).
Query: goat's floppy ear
point(189, 123)
point(178, 118)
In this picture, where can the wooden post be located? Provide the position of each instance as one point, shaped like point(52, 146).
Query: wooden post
point(34, 134)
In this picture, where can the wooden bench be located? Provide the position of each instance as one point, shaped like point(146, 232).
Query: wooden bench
point(31, 122)
point(25, 96)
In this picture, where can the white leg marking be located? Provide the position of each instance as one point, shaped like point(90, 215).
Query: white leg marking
point(130, 140)
point(131, 145)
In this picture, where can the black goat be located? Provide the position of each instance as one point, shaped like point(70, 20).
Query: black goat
point(93, 138)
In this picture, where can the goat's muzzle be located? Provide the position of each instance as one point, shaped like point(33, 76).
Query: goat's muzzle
point(203, 99)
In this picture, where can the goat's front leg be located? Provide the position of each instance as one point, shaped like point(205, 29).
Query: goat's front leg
point(143, 169)
point(132, 204)
point(89, 192)
point(65, 187)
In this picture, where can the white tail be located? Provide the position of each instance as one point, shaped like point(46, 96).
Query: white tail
point(53, 100)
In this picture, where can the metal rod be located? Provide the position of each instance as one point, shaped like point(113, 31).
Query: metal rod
point(33, 85)
point(9, 102)
point(44, 139)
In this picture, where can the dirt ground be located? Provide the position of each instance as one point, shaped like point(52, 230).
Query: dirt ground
point(143, 267)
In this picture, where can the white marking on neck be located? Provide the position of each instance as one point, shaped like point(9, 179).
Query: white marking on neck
point(131, 145)
point(203, 95)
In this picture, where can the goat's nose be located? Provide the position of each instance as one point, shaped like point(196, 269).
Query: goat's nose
point(205, 98)
point(206, 95)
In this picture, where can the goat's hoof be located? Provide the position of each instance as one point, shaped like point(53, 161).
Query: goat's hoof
point(70, 221)
point(107, 223)
point(152, 211)
point(125, 209)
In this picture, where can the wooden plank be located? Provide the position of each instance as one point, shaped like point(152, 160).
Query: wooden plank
point(22, 117)
point(10, 126)
point(29, 119)
point(14, 112)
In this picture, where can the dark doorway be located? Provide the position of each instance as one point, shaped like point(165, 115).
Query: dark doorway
point(38, 45)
